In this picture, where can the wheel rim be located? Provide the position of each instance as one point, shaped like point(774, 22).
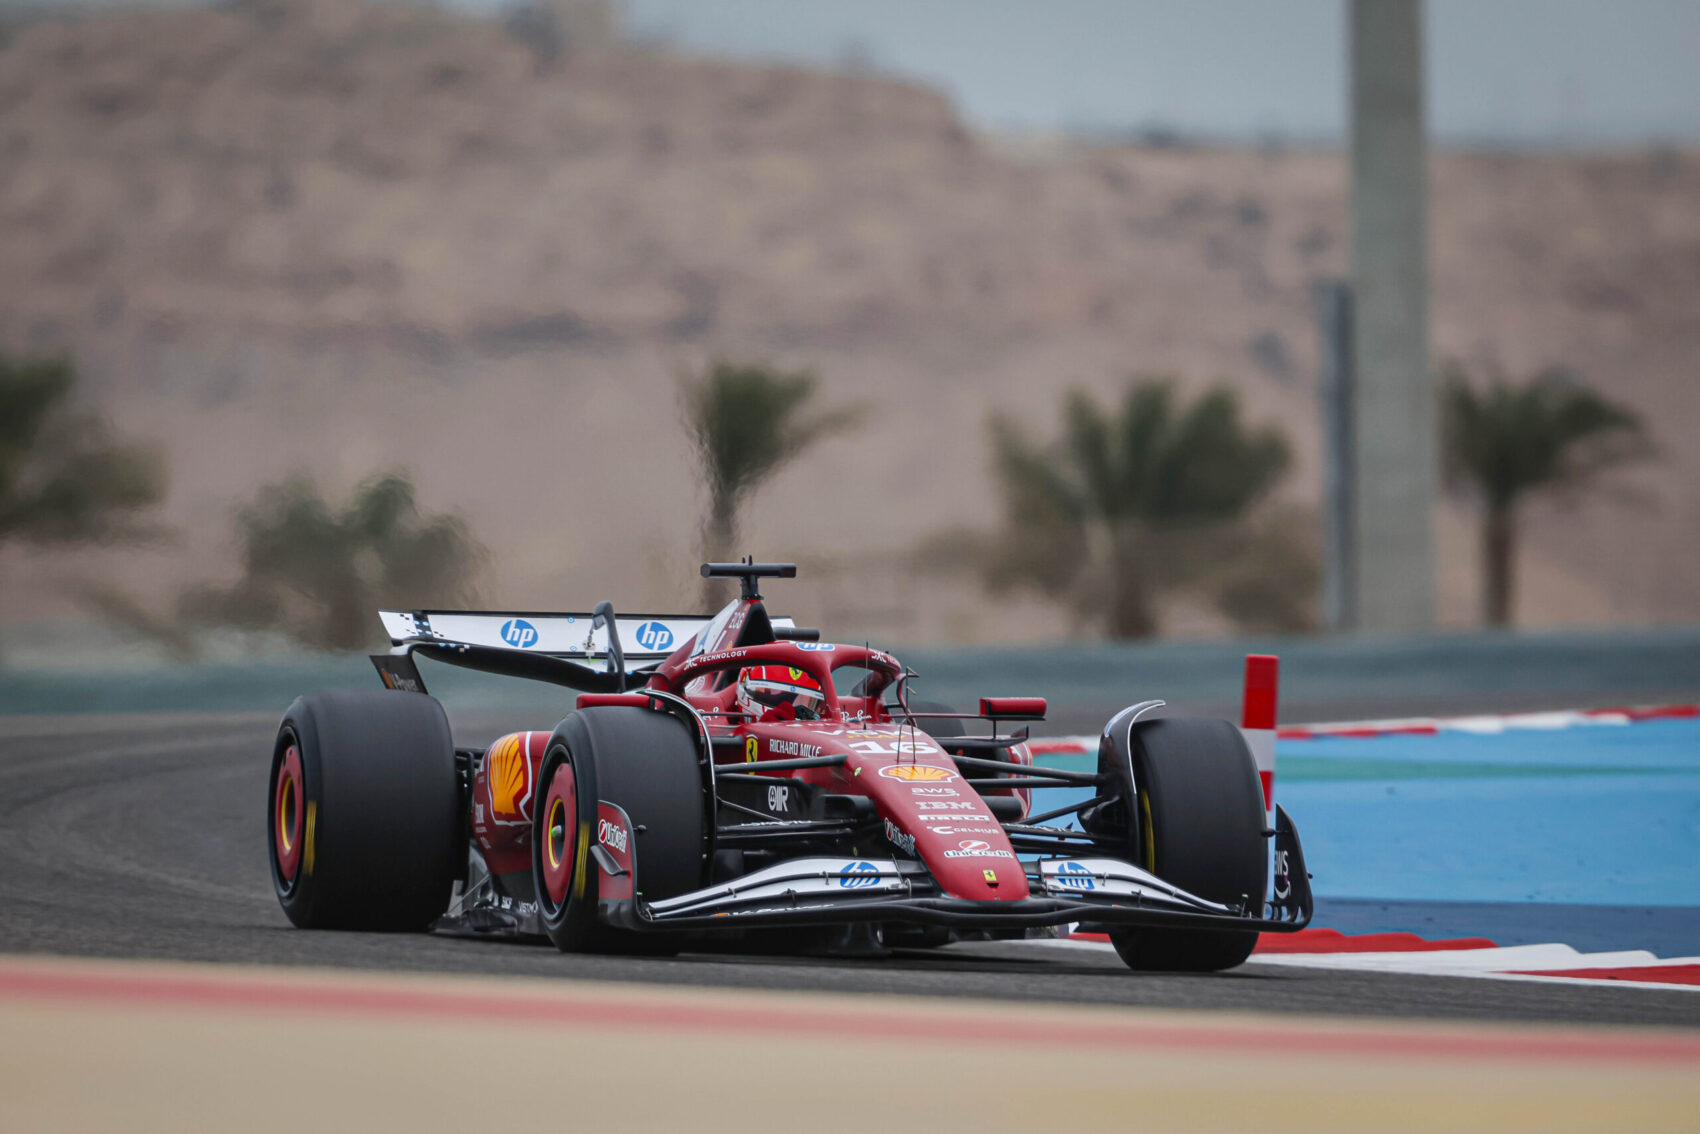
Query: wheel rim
point(288, 805)
point(1148, 836)
point(557, 840)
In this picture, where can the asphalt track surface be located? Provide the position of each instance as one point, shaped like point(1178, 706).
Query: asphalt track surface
point(141, 837)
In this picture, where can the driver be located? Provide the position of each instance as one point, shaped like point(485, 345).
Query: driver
point(779, 693)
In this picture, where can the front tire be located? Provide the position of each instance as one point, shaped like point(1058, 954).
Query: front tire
point(647, 763)
point(1200, 826)
point(363, 820)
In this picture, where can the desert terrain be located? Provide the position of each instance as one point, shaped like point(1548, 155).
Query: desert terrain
point(344, 237)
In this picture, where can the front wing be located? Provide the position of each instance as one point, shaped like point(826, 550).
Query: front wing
point(833, 891)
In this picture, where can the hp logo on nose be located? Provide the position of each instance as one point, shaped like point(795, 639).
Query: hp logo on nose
point(519, 632)
point(654, 636)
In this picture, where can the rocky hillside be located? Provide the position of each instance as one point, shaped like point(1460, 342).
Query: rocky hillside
point(336, 236)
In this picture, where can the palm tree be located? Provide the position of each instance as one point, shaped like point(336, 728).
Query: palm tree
point(319, 573)
point(1507, 442)
point(747, 422)
point(1122, 506)
point(64, 476)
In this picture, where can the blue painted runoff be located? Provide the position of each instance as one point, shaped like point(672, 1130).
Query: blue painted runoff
point(1594, 815)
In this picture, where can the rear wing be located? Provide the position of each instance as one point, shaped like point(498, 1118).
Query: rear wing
point(551, 647)
point(643, 637)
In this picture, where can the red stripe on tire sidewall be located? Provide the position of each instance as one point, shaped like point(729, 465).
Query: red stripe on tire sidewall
point(558, 866)
point(286, 842)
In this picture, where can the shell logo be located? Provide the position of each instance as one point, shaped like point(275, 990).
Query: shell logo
point(510, 786)
point(917, 773)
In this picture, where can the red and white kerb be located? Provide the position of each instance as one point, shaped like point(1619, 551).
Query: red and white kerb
point(1257, 718)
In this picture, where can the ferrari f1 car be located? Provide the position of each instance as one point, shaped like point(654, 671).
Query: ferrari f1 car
point(728, 778)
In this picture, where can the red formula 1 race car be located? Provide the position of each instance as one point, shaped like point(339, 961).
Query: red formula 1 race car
point(731, 778)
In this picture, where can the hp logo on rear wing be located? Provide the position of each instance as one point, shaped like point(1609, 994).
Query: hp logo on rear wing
point(519, 633)
point(654, 636)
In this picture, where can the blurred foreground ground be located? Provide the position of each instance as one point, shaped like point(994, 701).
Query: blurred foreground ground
point(334, 236)
point(93, 1045)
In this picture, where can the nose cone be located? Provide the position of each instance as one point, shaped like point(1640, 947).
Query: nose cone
point(933, 814)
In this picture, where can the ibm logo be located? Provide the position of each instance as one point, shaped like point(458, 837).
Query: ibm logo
point(654, 636)
point(518, 632)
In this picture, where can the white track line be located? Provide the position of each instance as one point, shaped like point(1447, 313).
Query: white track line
point(1514, 962)
point(1322, 961)
point(1589, 982)
point(1524, 958)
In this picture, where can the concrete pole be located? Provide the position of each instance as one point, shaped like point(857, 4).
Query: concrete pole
point(1334, 393)
point(1395, 452)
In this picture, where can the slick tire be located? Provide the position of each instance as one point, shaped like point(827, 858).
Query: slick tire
point(1200, 826)
point(363, 817)
point(647, 763)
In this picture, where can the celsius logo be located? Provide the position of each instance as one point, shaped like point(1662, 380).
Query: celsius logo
point(854, 874)
point(654, 636)
point(519, 632)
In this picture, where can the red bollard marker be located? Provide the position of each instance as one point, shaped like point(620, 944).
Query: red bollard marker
point(1257, 718)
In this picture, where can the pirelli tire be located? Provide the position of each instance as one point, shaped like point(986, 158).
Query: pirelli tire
point(364, 816)
point(1199, 824)
point(646, 762)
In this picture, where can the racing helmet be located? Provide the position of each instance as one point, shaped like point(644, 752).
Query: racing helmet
point(781, 689)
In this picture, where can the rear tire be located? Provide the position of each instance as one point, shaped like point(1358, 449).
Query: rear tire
point(647, 763)
point(1200, 826)
point(364, 816)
